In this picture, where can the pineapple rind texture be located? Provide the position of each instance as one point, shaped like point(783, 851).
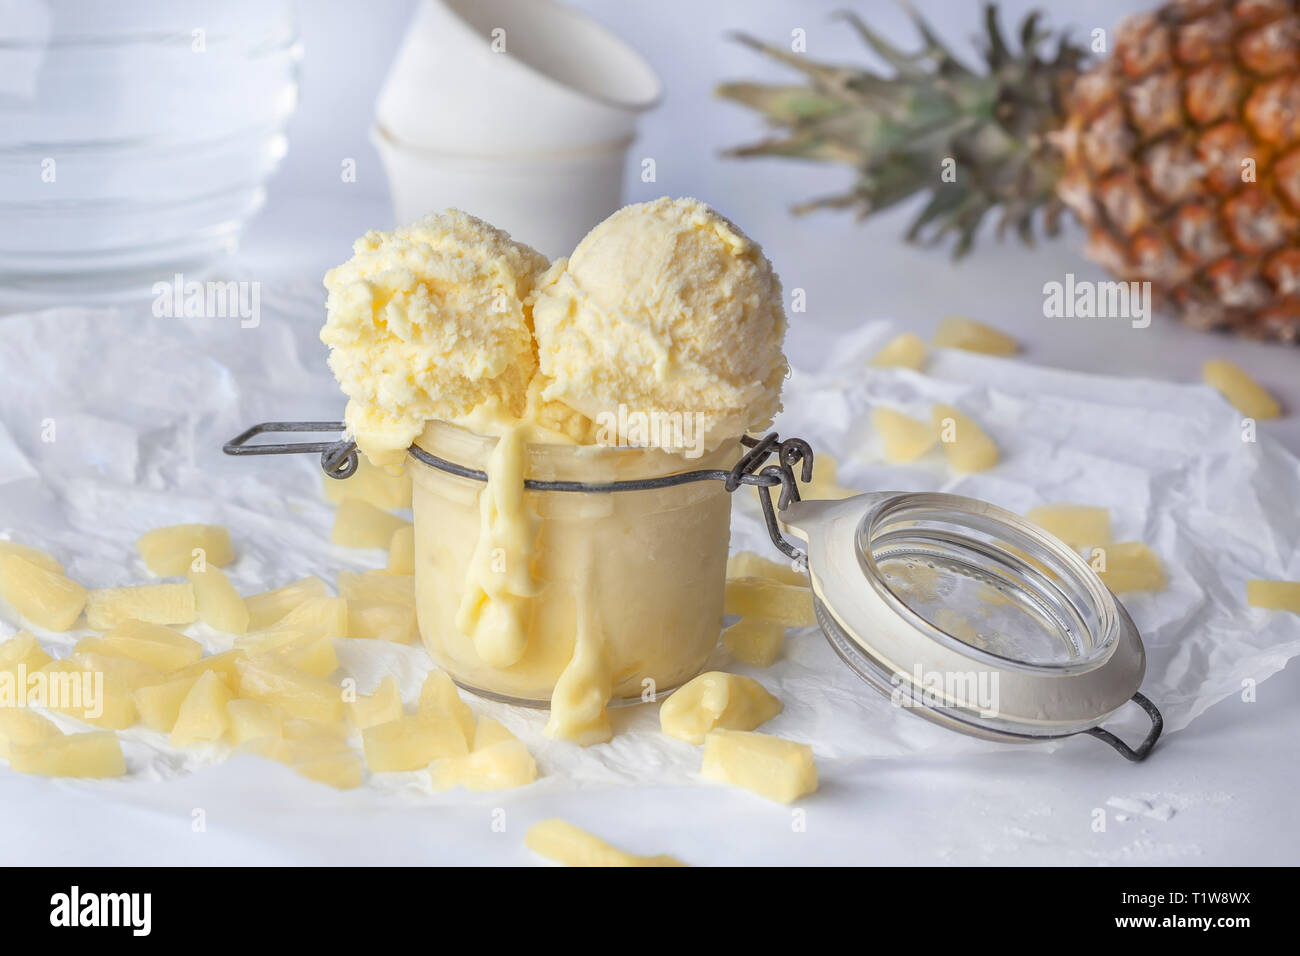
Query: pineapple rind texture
point(1182, 159)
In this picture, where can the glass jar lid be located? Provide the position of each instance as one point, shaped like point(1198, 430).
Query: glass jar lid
point(969, 613)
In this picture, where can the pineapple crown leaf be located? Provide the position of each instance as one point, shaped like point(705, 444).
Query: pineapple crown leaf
point(933, 52)
point(1032, 38)
point(828, 79)
point(989, 128)
point(997, 54)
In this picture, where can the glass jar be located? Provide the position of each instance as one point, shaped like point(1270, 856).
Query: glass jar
point(652, 564)
point(136, 139)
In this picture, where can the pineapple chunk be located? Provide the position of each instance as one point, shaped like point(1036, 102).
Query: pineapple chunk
point(300, 728)
point(31, 555)
point(758, 597)
point(275, 747)
point(372, 485)
point(309, 653)
point(202, 715)
point(219, 604)
point(342, 771)
point(715, 699)
point(1128, 566)
point(412, 743)
point(322, 617)
point(439, 698)
point(1245, 394)
point(501, 766)
point(956, 332)
point(564, 843)
point(94, 697)
point(297, 750)
point(96, 754)
point(902, 351)
point(121, 670)
point(306, 651)
point(361, 525)
point(294, 691)
point(905, 438)
point(325, 759)
point(96, 644)
point(263, 642)
point(771, 767)
point(158, 705)
point(46, 598)
point(488, 732)
point(161, 647)
point(747, 564)
point(967, 447)
point(269, 607)
point(280, 636)
point(377, 621)
point(754, 640)
point(175, 551)
point(401, 551)
point(1274, 595)
point(224, 665)
point(20, 727)
point(1079, 526)
point(251, 719)
point(23, 650)
point(378, 586)
point(383, 705)
point(153, 603)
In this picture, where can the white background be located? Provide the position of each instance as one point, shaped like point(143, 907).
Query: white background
point(1231, 776)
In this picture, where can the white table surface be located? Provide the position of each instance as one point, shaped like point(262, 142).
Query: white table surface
point(1230, 777)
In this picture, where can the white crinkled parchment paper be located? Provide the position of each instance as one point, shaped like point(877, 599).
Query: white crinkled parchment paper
point(138, 407)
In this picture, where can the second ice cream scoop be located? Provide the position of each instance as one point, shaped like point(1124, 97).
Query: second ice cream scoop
point(665, 309)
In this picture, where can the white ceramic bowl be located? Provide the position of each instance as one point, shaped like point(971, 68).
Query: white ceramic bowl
point(519, 112)
point(548, 201)
point(494, 76)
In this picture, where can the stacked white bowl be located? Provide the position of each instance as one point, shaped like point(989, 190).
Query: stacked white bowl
point(519, 112)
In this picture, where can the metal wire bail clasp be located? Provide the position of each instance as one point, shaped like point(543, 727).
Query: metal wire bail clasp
point(751, 471)
point(338, 459)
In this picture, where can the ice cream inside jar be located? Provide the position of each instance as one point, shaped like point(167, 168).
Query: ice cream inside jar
point(648, 353)
point(625, 592)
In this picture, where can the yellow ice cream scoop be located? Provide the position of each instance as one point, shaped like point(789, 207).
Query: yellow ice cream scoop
point(664, 327)
point(427, 322)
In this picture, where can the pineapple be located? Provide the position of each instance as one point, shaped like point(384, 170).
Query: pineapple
point(788, 604)
point(1179, 151)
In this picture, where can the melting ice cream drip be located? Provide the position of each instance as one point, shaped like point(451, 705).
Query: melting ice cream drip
point(494, 607)
point(584, 687)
